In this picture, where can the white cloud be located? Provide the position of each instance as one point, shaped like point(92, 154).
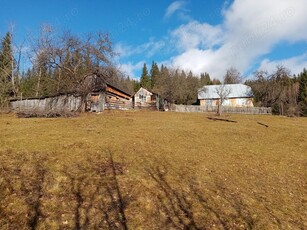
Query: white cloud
point(151, 48)
point(195, 58)
point(123, 50)
point(197, 35)
point(147, 49)
point(177, 7)
point(250, 30)
point(295, 64)
point(129, 68)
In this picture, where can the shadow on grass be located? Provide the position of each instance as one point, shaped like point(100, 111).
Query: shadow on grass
point(35, 189)
point(23, 185)
point(172, 202)
point(191, 207)
point(90, 195)
point(97, 191)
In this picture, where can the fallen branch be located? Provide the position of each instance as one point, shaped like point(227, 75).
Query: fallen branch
point(259, 123)
point(221, 119)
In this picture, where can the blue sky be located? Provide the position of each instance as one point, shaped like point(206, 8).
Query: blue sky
point(198, 35)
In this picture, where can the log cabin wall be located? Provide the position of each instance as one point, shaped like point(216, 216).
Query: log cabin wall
point(109, 98)
point(58, 103)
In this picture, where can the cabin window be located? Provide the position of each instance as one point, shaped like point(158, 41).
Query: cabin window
point(142, 97)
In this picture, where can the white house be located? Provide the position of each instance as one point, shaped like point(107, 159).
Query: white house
point(145, 99)
point(239, 95)
point(144, 96)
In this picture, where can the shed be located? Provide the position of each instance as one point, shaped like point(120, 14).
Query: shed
point(240, 95)
point(146, 99)
point(109, 97)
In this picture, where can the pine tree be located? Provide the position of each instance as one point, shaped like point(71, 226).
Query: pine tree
point(6, 69)
point(154, 74)
point(302, 97)
point(136, 85)
point(192, 86)
point(145, 79)
point(205, 79)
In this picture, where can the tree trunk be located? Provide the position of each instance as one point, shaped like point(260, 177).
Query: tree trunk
point(219, 109)
point(59, 80)
point(83, 106)
point(13, 79)
point(38, 82)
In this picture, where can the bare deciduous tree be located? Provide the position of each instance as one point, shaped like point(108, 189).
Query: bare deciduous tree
point(223, 92)
point(277, 90)
point(77, 59)
point(233, 76)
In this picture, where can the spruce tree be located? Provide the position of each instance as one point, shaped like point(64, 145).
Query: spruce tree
point(302, 97)
point(136, 85)
point(6, 64)
point(145, 79)
point(205, 79)
point(154, 74)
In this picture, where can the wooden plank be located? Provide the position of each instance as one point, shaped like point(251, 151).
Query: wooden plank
point(116, 92)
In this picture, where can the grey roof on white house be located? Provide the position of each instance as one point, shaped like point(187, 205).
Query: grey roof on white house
point(236, 91)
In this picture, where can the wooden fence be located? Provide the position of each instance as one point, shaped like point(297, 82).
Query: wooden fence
point(225, 109)
point(58, 103)
point(145, 106)
point(118, 105)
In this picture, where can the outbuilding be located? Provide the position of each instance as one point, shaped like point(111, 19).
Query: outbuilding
point(239, 95)
point(146, 99)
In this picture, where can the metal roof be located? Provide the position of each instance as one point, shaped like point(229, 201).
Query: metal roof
point(236, 91)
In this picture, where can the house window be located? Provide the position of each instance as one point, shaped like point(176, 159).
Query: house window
point(226, 102)
point(142, 97)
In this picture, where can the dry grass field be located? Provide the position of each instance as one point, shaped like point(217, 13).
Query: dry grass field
point(153, 170)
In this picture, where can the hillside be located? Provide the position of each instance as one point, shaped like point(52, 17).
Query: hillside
point(153, 170)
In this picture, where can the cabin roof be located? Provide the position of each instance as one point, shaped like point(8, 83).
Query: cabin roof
point(119, 93)
point(236, 91)
point(142, 89)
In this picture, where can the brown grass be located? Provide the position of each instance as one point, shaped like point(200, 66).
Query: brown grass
point(153, 170)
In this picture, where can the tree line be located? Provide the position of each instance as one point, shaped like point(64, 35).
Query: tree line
point(174, 85)
point(286, 94)
point(64, 63)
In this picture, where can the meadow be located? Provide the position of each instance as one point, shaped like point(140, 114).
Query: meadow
point(153, 170)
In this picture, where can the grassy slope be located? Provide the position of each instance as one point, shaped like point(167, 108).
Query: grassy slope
point(180, 170)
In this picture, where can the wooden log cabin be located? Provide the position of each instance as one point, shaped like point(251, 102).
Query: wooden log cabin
point(103, 97)
point(109, 98)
